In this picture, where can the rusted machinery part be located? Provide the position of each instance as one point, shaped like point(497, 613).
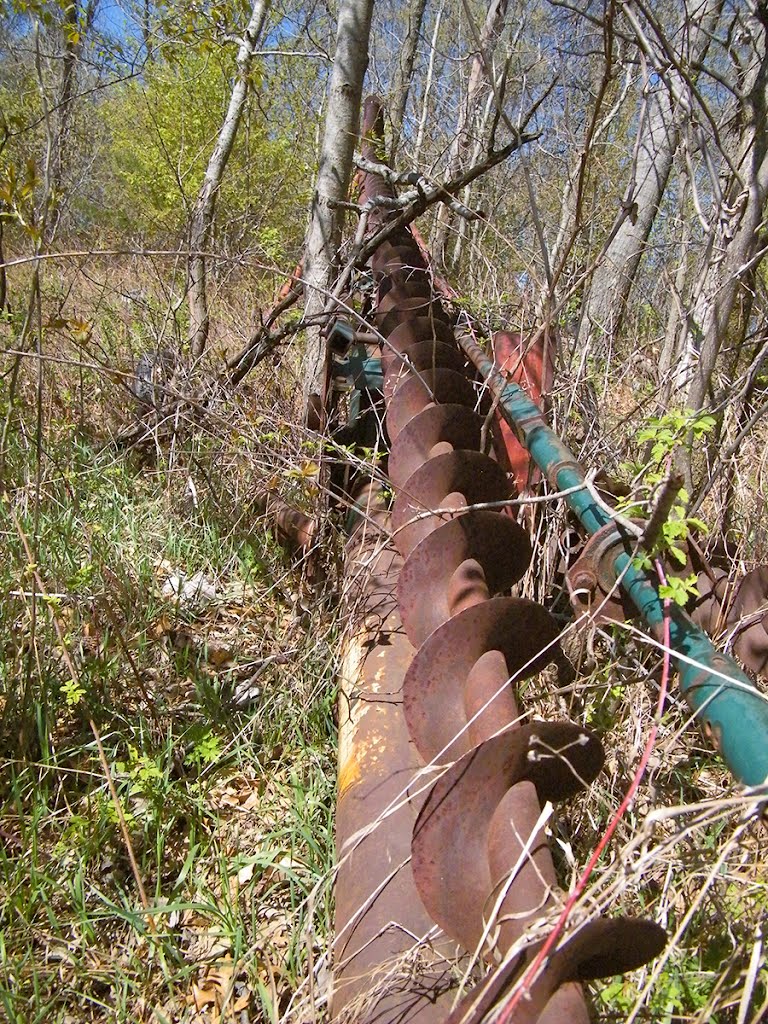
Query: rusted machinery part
point(530, 364)
point(426, 355)
point(314, 413)
point(748, 620)
point(480, 859)
point(448, 480)
point(292, 526)
point(591, 579)
point(459, 700)
point(715, 596)
point(598, 949)
point(425, 595)
point(728, 707)
point(391, 962)
point(462, 859)
point(293, 285)
point(420, 328)
point(737, 610)
point(373, 185)
point(417, 390)
point(592, 583)
point(449, 423)
point(453, 675)
point(383, 934)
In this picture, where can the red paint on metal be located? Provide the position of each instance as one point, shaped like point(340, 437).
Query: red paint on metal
point(531, 365)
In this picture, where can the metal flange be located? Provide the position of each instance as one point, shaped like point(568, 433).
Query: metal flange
point(495, 541)
point(450, 847)
point(472, 475)
point(599, 949)
point(591, 580)
point(449, 423)
point(429, 388)
point(423, 355)
point(416, 330)
point(434, 688)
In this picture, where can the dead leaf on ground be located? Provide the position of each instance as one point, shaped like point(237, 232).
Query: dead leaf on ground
point(216, 990)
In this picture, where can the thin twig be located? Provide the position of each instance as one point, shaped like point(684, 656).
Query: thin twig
point(668, 491)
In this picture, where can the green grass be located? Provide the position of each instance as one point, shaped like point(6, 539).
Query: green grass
point(229, 809)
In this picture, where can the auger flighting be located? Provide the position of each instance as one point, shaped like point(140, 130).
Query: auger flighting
point(478, 862)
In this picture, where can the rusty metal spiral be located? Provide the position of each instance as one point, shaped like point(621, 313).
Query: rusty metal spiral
point(480, 860)
point(738, 609)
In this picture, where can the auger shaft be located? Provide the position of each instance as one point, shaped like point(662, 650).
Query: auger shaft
point(384, 938)
point(479, 865)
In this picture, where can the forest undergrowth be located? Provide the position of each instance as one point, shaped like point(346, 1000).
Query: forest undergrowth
point(168, 668)
point(167, 805)
point(158, 619)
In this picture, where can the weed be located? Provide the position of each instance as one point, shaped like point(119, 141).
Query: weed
point(228, 810)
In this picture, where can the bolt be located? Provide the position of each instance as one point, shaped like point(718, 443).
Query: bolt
point(583, 579)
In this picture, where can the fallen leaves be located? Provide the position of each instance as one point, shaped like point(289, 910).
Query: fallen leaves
point(220, 992)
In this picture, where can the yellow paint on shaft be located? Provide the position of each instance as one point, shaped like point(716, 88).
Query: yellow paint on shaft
point(358, 753)
point(350, 675)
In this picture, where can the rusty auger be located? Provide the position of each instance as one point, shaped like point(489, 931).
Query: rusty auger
point(478, 862)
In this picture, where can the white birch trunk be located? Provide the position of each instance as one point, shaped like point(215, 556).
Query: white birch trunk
point(205, 204)
point(335, 167)
point(658, 139)
point(736, 252)
point(427, 90)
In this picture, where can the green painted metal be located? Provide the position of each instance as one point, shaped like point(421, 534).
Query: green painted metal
point(731, 711)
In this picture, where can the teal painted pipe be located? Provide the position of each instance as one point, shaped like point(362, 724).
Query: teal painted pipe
point(732, 713)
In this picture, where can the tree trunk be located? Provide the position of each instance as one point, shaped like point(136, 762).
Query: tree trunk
point(658, 138)
point(64, 106)
point(570, 225)
point(479, 81)
point(146, 32)
point(76, 25)
point(463, 227)
point(736, 253)
point(205, 204)
point(3, 279)
point(427, 89)
point(670, 354)
point(332, 184)
point(404, 73)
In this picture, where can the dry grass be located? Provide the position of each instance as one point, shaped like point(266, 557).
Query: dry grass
point(228, 801)
point(229, 806)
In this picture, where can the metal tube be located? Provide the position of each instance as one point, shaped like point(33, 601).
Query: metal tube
point(391, 965)
point(416, 846)
point(731, 711)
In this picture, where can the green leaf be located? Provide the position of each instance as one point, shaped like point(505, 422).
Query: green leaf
point(679, 590)
point(699, 525)
point(678, 554)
